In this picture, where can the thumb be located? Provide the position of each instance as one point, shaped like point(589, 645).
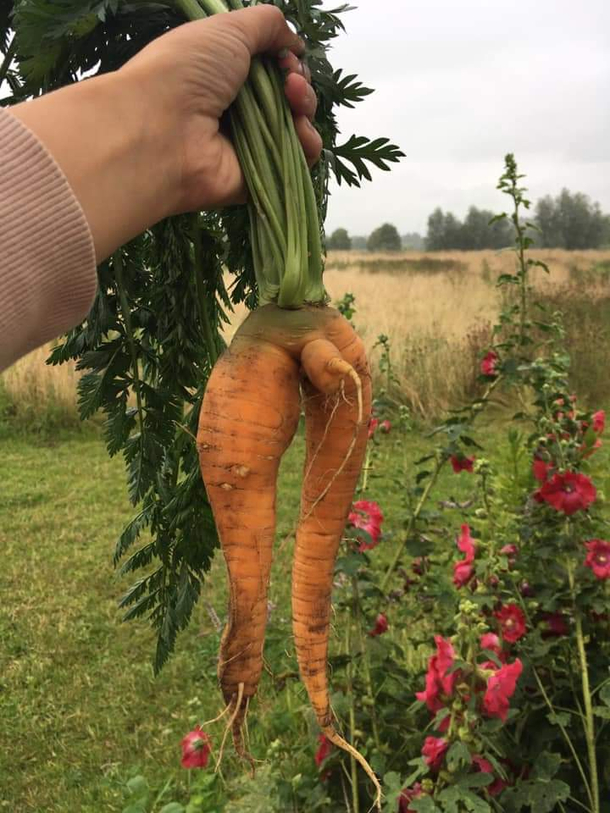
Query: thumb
point(263, 29)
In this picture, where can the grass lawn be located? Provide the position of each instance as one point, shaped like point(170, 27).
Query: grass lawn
point(79, 706)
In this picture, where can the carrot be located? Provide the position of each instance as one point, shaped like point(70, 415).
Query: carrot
point(248, 419)
point(291, 346)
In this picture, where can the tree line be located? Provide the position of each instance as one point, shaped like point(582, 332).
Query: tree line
point(569, 220)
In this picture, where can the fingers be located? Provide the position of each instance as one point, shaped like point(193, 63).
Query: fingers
point(264, 30)
point(310, 139)
point(302, 100)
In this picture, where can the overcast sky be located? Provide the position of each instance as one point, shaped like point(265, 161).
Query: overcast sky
point(460, 84)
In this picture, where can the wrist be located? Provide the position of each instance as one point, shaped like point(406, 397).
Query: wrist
point(114, 149)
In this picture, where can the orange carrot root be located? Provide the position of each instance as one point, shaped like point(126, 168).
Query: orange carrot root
point(248, 418)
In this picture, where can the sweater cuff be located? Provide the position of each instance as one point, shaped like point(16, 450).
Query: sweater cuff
point(47, 258)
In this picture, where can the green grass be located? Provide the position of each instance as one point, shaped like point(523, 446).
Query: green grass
point(79, 706)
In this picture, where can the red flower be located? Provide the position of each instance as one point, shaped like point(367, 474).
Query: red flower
point(512, 622)
point(439, 684)
point(366, 516)
point(381, 625)
point(324, 749)
point(385, 426)
point(463, 570)
point(373, 424)
point(195, 749)
point(568, 492)
point(489, 363)
point(461, 463)
point(500, 688)
point(484, 766)
point(598, 558)
point(541, 470)
point(599, 422)
point(407, 796)
point(434, 752)
point(555, 625)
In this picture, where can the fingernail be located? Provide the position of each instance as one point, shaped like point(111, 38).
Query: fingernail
point(283, 53)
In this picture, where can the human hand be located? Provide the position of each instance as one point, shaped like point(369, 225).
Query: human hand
point(193, 74)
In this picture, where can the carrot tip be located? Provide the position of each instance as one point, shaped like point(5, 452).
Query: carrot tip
point(338, 740)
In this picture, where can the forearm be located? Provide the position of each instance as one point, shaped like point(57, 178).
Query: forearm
point(115, 150)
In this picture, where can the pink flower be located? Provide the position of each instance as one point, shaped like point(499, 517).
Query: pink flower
point(463, 570)
point(568, 492)
point(511, 552)
point(491, 642)
point(484, 766)
point(381, 626)
point(366, 515)
point(512, 622)
point(434, 751)
point(500, 688)
point(489, 364)
point(373, 424)
point(439, 684)
point(195, 749)
point(598, 558)
point(461, 463)
point(599, 422)
point(407, 796)
point(324, 749)
point(385, 426)
point(555, 625)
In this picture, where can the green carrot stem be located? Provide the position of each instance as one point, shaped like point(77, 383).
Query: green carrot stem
point(284, 216)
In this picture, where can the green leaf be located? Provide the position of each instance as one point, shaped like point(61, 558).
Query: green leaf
point(358, 151)
point(604, 694)
point(458, 755)
point(424, 804)
point(602, 711)
point(540, 796)
point(172, 807)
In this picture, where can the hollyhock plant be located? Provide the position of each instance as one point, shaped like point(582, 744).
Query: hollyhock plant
point(501, 686)
point(195, 749)
point(484, 766)
point(555, 625)
point(381, 626)
point(433, 751)
point(385, 427)
point(598, 558)
point(599, 422)
point(463, 570)
point(512, 622)
point(490, 363)
point(541, 470)
point(366, 515)
point(373, 424)
point(324, 749)
point(568, 492)
point(407, 796)
point(462, 463)
point(439, 684)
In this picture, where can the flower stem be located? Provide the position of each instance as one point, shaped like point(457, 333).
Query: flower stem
point(412, 523)
point(352, 719)
point(586, 693)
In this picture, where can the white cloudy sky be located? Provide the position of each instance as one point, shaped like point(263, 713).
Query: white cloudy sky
point(460, 84)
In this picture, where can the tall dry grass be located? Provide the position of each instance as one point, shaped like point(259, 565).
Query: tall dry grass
point(436, 309)
point(36, 396)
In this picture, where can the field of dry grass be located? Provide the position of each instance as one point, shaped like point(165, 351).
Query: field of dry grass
point(436, 310)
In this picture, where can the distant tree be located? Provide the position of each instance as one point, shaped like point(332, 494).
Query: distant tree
point(359, 242)
point(413, 241)
point(385, 238)
point(435, 236)
point(571, 221)
point(339, 241)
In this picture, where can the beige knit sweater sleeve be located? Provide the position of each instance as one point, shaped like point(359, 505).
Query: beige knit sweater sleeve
point(47, 258)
